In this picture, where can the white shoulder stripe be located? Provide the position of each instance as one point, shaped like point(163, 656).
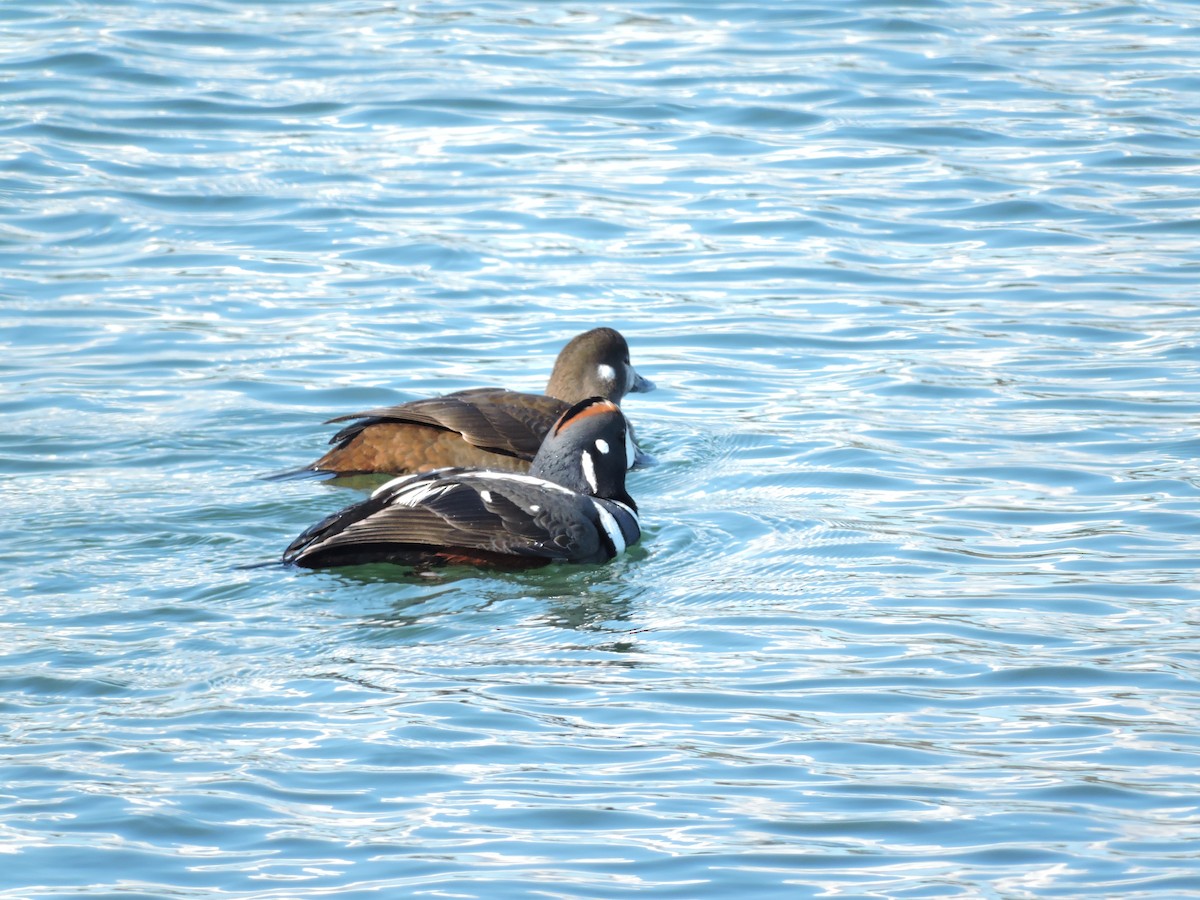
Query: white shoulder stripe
point(519, 479)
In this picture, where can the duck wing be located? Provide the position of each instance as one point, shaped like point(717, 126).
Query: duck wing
point(510, 423)
point(459, 516)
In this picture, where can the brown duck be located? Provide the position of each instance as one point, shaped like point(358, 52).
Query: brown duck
point(488, 428)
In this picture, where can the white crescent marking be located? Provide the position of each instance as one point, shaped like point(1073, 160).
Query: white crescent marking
point(611, 527)
point(589, 470)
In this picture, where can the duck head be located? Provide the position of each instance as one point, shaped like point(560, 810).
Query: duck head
point(588, 450)
point(596, 364)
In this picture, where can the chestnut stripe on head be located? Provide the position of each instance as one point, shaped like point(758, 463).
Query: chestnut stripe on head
point(593, 406)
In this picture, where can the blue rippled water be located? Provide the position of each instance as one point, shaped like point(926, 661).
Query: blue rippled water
point(915, 614)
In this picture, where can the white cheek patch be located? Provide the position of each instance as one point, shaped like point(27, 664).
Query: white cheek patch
point(611, 528)
point(589, 470)
point(486, 495)
point(602, 445)
point(606, 373)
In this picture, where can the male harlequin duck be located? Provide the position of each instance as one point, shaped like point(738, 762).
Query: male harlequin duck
point(490, 428)
point(572, 506)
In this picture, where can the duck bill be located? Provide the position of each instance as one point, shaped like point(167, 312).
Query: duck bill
point(642, 459)
point(640, 385)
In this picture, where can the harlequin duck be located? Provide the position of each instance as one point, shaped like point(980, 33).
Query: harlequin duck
point(572, 506)
point(489, 428)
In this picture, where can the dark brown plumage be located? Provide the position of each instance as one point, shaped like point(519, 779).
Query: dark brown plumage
point(489, 428)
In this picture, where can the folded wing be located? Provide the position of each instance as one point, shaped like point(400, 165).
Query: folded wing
point(493, 419)
point(453, 515)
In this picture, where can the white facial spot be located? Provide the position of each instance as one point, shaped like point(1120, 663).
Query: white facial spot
point(602, 445)
point(606, 372)
point(534, 508)
point(611, 527)
point(589, 470)
point(486, 495)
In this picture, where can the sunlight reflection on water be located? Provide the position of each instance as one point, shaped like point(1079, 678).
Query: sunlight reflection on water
point(914, 612)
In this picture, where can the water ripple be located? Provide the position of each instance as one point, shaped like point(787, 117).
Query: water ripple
point(914, 612)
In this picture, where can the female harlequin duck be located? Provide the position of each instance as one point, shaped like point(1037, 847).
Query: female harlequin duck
point(490, 428)
point(571, 507)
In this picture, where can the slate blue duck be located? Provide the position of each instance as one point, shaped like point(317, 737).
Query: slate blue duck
point(572, 506)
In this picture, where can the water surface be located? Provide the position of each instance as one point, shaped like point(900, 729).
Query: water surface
point(915, 611)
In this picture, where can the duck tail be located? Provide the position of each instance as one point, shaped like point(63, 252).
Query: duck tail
point(295, 474)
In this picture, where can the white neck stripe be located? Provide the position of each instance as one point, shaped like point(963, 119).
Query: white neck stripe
point(589, 470)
